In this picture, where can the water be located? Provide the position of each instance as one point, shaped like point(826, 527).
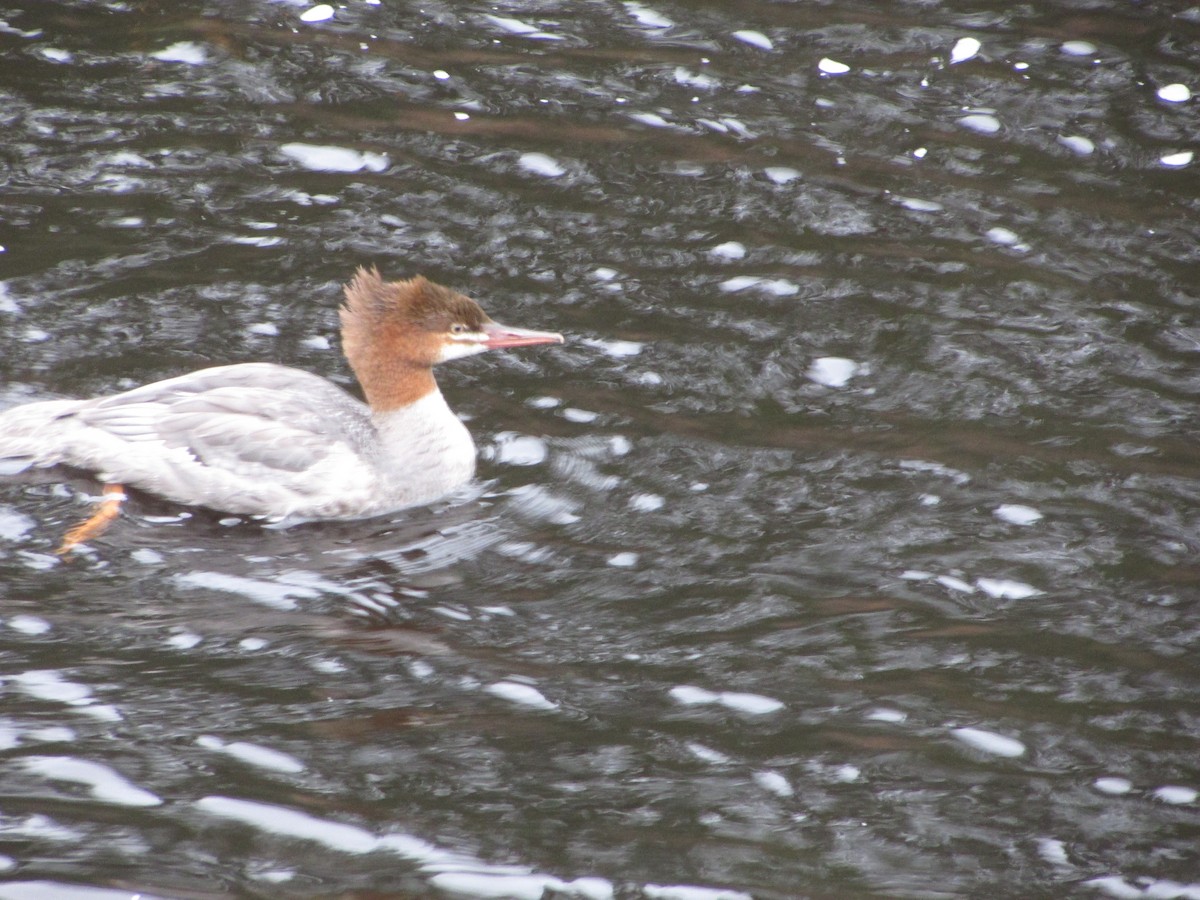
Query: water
point(847, 548)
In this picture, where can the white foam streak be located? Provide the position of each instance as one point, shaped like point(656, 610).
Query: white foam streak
point(498, 886)
point(450, 871)
point(916, 204)
point(833, 371)
point(1078, 144)
point(1176, 794)
point(322, 12)
point(730, 250)
point(102, 782)
point(780, 287)
point(520, 450)
point(753, 704)
point(1078, 48)
point(774, 783)
point(690, 892)
point(1017, 514)
point(322, 158)
point(30, 625)
point(541, 164)
point(989, 742)
point(617, 349)
point(654, 120)
point(980, 123)
point(755, 39)
point(49, 684)
point(1113, 785)
point(520, 28)
point(781, 174)
point(707, 754)
point(1174, 93)
point(647, 17)
point(57, 890)
point(1004, 589)
point(253, 754)
point(277, 596)
point(521, 694)
point(290, 823)
point(512, 26)
point(955, 584)
point(964, 49)
point(187, 52)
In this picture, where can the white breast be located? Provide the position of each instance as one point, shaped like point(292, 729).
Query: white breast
point(425, 452)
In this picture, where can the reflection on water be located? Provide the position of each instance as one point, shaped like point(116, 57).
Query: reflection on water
point(846, 548)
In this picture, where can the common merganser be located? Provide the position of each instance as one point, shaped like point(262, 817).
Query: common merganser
point(266, 440)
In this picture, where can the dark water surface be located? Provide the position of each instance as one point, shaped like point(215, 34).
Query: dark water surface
point(847, 548)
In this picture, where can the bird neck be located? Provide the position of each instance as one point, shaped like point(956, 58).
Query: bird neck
point(390, 385)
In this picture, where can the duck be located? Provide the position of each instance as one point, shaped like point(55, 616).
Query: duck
point(278, 443)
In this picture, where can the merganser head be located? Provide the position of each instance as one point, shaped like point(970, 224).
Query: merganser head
point(394, 332)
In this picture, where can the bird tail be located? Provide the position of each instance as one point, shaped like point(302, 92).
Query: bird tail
point(30, 435)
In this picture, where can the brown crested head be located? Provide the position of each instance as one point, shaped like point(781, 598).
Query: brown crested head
point(393, 332)
point(377, 311)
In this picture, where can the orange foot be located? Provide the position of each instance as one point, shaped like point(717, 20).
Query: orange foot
point(94, 526)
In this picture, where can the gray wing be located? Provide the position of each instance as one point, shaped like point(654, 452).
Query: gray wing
point(236, 417)
point(254, 438)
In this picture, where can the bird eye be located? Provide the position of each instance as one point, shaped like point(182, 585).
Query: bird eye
point(458, 328)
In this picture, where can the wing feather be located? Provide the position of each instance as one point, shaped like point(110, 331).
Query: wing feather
point(235, 430)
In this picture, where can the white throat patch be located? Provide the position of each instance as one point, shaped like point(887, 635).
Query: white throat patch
point(460, 345)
